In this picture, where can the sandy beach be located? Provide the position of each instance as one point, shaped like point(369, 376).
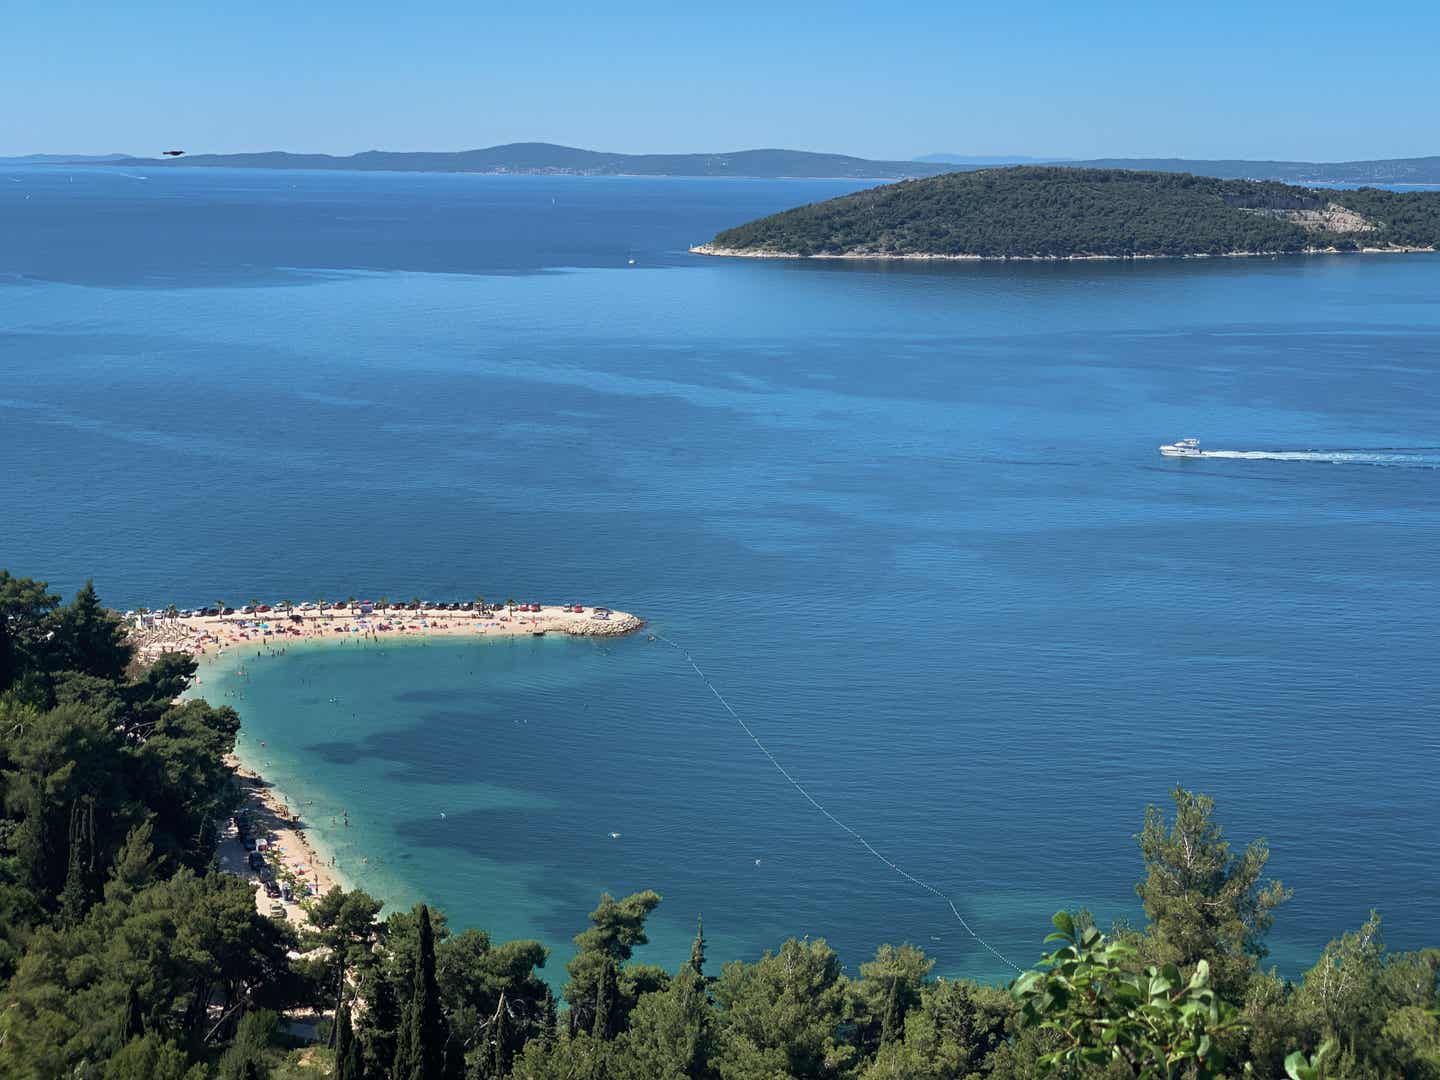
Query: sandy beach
point(279, 835)
point(207, 635)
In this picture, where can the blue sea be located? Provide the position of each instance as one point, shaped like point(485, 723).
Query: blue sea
point(909, 520)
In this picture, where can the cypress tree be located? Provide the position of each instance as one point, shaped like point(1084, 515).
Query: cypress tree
point(500, 1041)
point(454, 1058)
point(353, 1064)
point(549, 1020)
point(404, 1066)
point(892, 1025)
point(384, 1024)
point(425, 1029)
point(697, 948)
point(344, 1041)
point(605, 994)
point(33, 843)
point(134, 1022)
point(75, 897)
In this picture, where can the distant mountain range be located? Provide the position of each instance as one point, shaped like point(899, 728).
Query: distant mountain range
point(983, 159)
point(543, 158)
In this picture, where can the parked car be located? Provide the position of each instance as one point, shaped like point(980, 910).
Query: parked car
point(257, 861)
point(272, 890)
point(285, 891)
point(277, 911)
point(249, 842)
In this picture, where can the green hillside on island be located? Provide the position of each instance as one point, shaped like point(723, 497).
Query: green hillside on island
point(1045, 212)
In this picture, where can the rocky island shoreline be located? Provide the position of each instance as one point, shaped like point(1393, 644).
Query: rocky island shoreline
point(1044, 214)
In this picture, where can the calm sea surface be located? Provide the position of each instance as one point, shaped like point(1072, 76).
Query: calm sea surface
point(909, 520)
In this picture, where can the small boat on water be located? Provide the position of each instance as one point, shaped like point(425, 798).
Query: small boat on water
point(1182, 448)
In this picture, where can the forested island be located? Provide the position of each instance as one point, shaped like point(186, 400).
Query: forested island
point(1041, 212)
point(127, 954)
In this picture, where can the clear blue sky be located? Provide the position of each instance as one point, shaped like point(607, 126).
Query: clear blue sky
point(1278, 80)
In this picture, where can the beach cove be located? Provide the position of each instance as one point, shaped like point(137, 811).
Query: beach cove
point(292, 839)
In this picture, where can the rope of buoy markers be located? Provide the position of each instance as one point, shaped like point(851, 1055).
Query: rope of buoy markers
point(896, 867)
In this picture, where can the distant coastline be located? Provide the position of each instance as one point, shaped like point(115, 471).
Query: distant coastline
point(550, 159)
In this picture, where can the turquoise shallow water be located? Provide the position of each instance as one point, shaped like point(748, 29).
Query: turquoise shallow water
point(910, 520)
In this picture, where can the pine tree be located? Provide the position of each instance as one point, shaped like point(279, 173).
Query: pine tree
point(89, 638)
point(671, 1033)
point(134, 864)
point(605, 995)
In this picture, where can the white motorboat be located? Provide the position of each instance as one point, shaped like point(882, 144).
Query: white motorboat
point(1182, 448)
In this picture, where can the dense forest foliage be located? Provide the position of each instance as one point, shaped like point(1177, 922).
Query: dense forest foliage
point(1421, 170)
point(126, 955)
point(1034, 211)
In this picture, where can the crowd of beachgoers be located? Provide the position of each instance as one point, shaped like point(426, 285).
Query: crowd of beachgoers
point(207, 630)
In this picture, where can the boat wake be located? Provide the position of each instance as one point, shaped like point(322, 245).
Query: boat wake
point(1404, 457)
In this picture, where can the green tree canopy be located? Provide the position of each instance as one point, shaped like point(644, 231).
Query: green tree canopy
point(1204, 901)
